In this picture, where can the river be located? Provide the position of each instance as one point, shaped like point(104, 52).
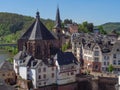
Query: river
point(4, 55)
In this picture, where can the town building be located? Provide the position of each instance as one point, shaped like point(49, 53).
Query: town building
point(7, 73)
point(40, 58)
point(96, 51)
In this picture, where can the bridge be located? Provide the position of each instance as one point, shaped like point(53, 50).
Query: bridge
point(8, 44)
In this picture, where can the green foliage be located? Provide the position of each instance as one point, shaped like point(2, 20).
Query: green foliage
point(49, 23)
point(102, 31)
point(10, 60)
point(12, 26)
point(12, 50)
point(110, 68)
point(108, 27)
point(11, 23)
point(65, 46)
point(68, 21)
point(86, 27)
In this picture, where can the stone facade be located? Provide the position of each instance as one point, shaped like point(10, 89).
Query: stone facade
point(7, 73)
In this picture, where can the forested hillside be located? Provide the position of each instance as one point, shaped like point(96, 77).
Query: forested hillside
point(12, 26)
point(111, 26)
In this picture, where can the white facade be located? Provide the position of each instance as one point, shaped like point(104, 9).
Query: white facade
point(67, 74)
point(23, 72)
point(34, 81)
point(106, 58)
point(43, 74)
point(15, 63)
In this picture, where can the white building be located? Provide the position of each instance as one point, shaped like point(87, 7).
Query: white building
point(62, 69)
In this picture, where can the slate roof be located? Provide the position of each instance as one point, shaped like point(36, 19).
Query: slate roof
point(27, 61)
point(20, 55)
point(65, 58)
point(90, 40)
point(37, 31)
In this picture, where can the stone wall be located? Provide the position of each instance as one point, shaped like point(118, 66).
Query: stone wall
point(107, 83)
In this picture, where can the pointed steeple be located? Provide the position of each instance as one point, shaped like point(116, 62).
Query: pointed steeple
point(37, 15)
point(58, 21)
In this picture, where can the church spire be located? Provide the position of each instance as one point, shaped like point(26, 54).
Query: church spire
point(58, 21)
point(37, 15)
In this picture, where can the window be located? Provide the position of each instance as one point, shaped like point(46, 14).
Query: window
point(39, 77)
point(44, 76)
point(52, 75)
point(107, 63)
point(96, 59)
point(104, 63)
point(52, 68)
point(72, 67)
point(72, 73)
point(96, 53)
point(96, 47)
point(96, 67)
point(44, 83)
point(107, 57)
point(114, 62)
point(118, 62)
point(39, 83)
point(114, 55)
point(39, 70)
point(44, 69)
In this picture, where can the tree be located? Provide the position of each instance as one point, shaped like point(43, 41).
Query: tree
point(90, 27)
point(102, 31)
point(68, 21)
point(110, 68)
point(86, 27)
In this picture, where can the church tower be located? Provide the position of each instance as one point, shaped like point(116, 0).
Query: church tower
point(58, 28)
point(38, 40)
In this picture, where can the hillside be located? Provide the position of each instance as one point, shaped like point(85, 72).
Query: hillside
point(12, 26)
point(111, 26)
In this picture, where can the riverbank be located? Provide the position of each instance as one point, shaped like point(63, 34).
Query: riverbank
point(5, 55)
